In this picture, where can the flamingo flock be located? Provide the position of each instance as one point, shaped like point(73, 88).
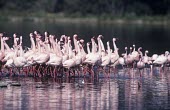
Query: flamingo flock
point(50, 55)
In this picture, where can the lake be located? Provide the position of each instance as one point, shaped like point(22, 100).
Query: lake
point(124, 90)
point(120, 92)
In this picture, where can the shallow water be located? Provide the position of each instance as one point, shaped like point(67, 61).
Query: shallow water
point(124, 90)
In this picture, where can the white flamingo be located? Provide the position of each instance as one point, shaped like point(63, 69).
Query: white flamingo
point(114, 55)
point(135, 54)
point(162, 59)
point(121, 60)
point(93, 57)
point(107, 58)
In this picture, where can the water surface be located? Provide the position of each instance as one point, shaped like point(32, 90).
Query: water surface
point(120, 92)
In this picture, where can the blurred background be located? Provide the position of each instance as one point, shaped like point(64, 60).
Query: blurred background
point(81, 8)
point(141, 22)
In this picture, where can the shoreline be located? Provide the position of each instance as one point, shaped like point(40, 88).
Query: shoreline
point(56, 18)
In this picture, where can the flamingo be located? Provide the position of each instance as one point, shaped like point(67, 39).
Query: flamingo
point(115, 55)
point(19, 61)
point(135, 54)
point(125, 54)
point(31, 52)
point(93, 57)
point(140, 64)
point(82, 51)
point(56, 56)
point(75, 42)
point(121, 60)
point(71, 62)
point(162, 59)
point(41, 56)
point(168, 58)
point(129, 60)
point(78, 56)
point(57, 53)
point(154, 57)
point(9, 53)
point(146, 58)
point(106, 59)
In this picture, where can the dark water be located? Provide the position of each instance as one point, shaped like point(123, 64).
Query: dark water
point(154, 38)
point(120, 92)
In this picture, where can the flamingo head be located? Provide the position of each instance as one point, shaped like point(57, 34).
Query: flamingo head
point(108, 43)
point(146, 51)
point(93, 39)
point(114, 39)
point(1, 34)
point(68, 38)
point(17, 39)
point(100, 36)
point(31, 34)
point(78, 42)
point(35, 32)
point(140, 48)
point(81, 40)
point(88, 43)
point(126, 48)
point(46, 34)
point(20, 37)
point(5, 38)
point(166, 52)
point(14, 35)
point(130, 48)
point(75, 36)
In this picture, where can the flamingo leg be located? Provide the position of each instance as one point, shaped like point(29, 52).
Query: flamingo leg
point(55, 71)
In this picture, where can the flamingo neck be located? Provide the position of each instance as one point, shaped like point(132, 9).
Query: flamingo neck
point(32, 43)
point(109, 50)
point(58, 49)
point(15, 52)
point(130, 51)
point(134, 49)
point(78, 48)
point(21, 50)
point(75, 43)
point(102, 45)
point(70, 52)
point(20, 47)
point(39, 47)
point(93, 46)
point(2, 45)
point(15, 41)
point(82, 50)
point(88, 49)
point(146, 54)
point(115, 47)
point(46, 47)
point(126, 52)
point(7, 46)
point(99, 46)
point(141, 54)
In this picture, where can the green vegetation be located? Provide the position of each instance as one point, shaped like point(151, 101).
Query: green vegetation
point(136, 11)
